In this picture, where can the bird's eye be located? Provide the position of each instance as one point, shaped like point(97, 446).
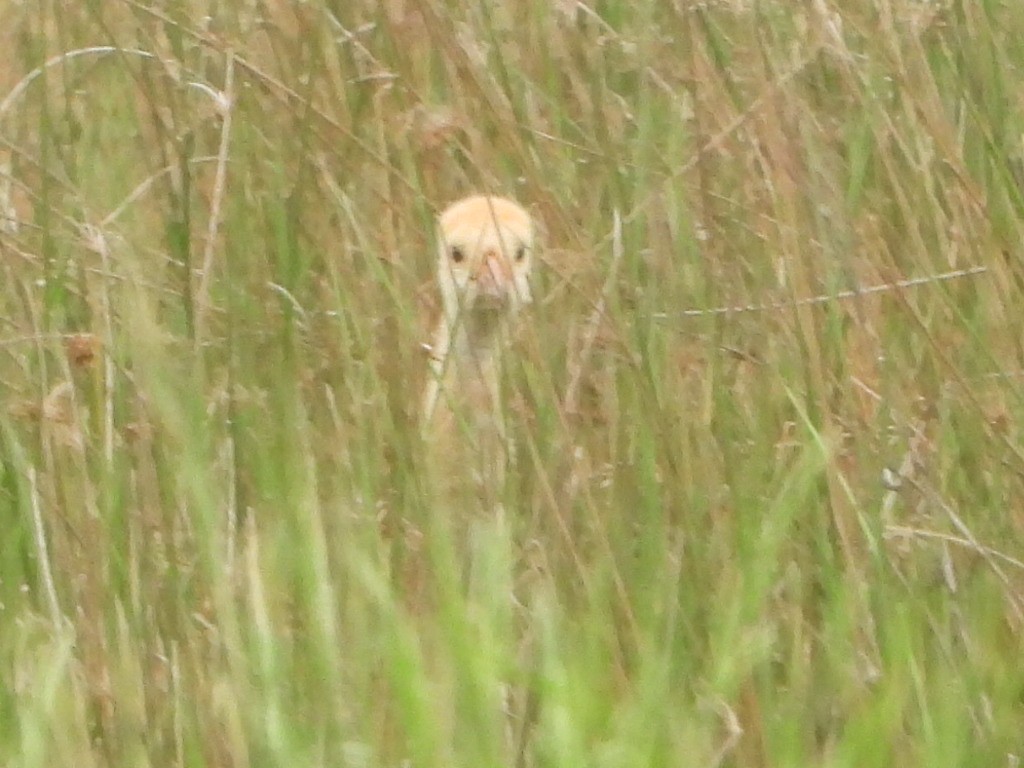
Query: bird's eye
point(457, 254)
point(520, 253)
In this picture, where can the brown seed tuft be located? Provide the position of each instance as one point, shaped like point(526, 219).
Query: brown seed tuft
point(81, 349)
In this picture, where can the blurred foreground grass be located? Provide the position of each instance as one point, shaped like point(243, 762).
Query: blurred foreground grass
point(781, 537)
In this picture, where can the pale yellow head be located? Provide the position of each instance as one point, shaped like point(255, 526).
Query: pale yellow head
point(485, 253)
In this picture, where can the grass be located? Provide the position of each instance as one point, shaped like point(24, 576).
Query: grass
point(787, 536)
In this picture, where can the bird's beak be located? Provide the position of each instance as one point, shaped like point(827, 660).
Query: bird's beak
point(493, 279)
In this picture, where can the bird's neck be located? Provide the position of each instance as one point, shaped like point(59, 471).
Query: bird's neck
point(477, 337)
point(465, 363)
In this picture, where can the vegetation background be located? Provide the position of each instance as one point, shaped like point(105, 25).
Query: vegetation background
point(787, 536)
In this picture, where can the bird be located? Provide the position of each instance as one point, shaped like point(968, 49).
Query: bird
point(484, 261)
point(485, 255)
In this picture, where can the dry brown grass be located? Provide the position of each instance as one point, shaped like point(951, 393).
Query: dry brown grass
point(782, 536)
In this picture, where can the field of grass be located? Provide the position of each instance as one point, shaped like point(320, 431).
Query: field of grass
point(787, 536)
